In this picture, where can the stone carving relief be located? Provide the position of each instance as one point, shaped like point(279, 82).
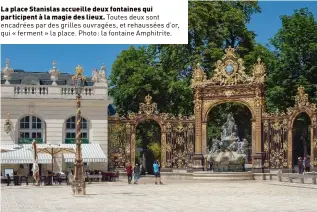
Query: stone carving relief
point(100, 76)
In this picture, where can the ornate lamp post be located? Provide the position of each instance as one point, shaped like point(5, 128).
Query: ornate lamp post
point(79, 180)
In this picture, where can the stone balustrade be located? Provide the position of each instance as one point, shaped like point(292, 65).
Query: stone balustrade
point(49, 91)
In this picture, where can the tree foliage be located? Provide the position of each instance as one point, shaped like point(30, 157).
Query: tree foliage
point(296, 53)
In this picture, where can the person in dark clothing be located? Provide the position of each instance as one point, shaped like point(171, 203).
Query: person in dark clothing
point(129, 171)
point(300, 165)
point(137, 172)
point(307, 164)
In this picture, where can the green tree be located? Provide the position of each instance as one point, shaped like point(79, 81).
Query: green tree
point(296, 50)
point(155, 148)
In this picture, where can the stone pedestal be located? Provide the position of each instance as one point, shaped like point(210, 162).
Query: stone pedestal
point(258, 159)
point(198, 162)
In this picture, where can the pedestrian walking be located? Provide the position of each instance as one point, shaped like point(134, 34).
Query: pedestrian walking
point(156, 170)
point(307, 163)
point(129, 171)
point(137, 172)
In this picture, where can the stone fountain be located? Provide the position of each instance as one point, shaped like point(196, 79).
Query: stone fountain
point(229, 153)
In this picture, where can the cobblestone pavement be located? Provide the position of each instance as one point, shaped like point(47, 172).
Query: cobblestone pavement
point(174, 196)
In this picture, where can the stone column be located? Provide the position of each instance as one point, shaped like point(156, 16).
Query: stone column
point(258, 154)
point(132, 149)
point(198, 157)
point(313, 156)
point(204, 147)
point(290, 146)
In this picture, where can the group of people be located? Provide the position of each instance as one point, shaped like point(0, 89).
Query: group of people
point(134, 172)
point(303, 164)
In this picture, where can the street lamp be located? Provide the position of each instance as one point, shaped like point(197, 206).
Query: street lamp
point(79, 187)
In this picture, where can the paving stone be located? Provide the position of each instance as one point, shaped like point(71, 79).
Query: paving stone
point(174, 196)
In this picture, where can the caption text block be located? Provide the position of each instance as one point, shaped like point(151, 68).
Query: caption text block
point(94, 22)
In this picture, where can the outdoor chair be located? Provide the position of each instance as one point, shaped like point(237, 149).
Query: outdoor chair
point(25, 179)
point(43, 180)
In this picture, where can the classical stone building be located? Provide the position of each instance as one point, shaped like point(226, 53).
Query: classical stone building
point(42, 106)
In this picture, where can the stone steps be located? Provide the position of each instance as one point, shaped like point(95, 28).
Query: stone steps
point(223, 176)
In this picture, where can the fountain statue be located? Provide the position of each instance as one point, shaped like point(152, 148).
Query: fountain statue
point(229, 153)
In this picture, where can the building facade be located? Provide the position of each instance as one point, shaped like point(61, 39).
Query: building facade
point(41, 106)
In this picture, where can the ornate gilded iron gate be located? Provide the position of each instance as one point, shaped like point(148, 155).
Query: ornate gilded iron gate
point(177, 137)
point(181, 137)
point(277, 133)
point(274, 136)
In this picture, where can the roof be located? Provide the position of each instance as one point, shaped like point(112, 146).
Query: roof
point(44, 78)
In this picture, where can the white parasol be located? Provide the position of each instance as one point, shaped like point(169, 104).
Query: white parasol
point(54, 149)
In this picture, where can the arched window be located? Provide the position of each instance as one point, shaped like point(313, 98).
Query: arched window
point(31, 127)
point(71, 130)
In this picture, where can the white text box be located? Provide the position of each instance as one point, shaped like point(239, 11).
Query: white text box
point(94, 22)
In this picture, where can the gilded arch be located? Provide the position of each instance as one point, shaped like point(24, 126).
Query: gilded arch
point(278, 133)
point(209, 105)
point(229, 83)
point(302, 105)
point(177, 136)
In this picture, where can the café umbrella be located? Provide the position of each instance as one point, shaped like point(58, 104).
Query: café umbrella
point(54, 149)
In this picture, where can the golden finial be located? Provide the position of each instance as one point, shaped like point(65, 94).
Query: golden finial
point(148, 99)
point(8, 116)
point(301, 90)
point(7, 63)
point(230, 52)
point(79, 70)
point(198, 65)
point(259, 61)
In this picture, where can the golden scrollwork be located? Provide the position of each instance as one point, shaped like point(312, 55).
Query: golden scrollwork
point(266, 146)
point(180, 128)
point(164, 116)
point(131, 115)
point(148, 107)
point(301, 99)
point(259, 72)
point(168, 127)
point(277, 159)
point(277, 126)
point(198, 76)
point(128, 128)
point(285, 146)
point(230, 71)
point(228, 93)
point(277, 138)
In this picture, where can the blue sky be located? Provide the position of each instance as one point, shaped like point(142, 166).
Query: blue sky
point(40, 57)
